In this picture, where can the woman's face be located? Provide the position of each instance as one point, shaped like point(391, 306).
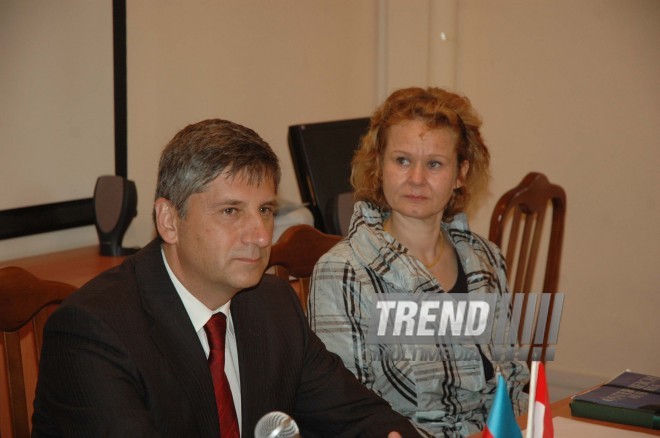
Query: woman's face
point(420, 170)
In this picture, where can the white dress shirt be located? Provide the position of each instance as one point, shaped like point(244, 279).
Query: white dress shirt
point(199, 315)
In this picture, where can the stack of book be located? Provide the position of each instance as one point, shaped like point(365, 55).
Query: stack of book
point(629, 398)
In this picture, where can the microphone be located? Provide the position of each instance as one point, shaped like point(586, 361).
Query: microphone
point(276, 424)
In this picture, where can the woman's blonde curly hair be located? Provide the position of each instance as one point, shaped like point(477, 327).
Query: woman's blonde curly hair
point(438, 108)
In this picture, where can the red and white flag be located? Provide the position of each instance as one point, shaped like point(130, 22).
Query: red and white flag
point(540, 425)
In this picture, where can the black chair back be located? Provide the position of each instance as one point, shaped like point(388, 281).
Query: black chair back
point(322, 154)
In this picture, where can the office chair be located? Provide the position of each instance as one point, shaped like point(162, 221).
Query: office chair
point(24, 299)
point(520, 214)
point(322, 154)
point(340, 212)
point(296, 252)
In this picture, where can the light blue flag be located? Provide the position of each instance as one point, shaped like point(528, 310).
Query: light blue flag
point(501, 421)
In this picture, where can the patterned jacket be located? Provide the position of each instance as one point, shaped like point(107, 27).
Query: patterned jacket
point(444, 394)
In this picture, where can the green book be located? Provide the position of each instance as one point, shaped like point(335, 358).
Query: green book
point(629, 398)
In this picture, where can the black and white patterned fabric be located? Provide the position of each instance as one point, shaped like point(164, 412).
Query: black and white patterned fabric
point(443, 397)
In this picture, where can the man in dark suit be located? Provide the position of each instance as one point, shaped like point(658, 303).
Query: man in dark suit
point(126, 355)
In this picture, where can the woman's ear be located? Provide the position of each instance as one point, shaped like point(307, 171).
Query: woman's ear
point(463, 169)
point(167, 220)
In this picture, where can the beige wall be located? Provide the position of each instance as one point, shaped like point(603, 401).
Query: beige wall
point(565, 87)
point(267, 65)
point(254, 63)
point(56, 113)
point(571, 89)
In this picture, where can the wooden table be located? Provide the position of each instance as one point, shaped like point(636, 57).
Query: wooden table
point(73, 266)
point(562, 408)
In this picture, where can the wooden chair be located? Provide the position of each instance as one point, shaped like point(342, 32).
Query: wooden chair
point(296, 252)
point(520, 214)
point(24, 299)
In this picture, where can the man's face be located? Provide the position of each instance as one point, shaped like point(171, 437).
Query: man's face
point(223, 243)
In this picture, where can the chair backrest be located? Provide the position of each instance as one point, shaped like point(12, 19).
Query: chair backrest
point(296, 252)
point(340, 212)
point(25, 303)
point(519, 216)
point(321, 155)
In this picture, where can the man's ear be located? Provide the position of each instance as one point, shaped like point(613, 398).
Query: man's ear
point(462, 174)
point(167, 220)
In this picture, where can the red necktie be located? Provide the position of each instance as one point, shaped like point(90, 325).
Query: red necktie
point(216, 329)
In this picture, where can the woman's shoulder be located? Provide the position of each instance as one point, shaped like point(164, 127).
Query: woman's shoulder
point(341, 252)
point(459, 226)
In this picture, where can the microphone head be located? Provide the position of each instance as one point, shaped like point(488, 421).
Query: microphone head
point(276, 425)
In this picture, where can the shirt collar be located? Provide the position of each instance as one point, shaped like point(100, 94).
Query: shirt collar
point(198, 313)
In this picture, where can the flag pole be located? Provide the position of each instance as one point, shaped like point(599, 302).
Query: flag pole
point(534, 373)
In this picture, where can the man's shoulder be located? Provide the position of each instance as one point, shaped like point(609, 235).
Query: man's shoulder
point(270, 289)
point(111, 296)
point(272, 299)
point(120, 276)
point(120, 282)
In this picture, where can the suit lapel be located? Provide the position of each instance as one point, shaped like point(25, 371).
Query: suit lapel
point(253, 356)
point(173, 333)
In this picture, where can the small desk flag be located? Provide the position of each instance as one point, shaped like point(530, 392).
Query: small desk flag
point(542, 424)
point(501, 420)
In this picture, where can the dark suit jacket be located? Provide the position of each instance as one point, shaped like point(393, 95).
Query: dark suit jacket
point(121, 358)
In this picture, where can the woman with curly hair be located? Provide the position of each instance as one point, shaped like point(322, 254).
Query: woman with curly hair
point(413, 176)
